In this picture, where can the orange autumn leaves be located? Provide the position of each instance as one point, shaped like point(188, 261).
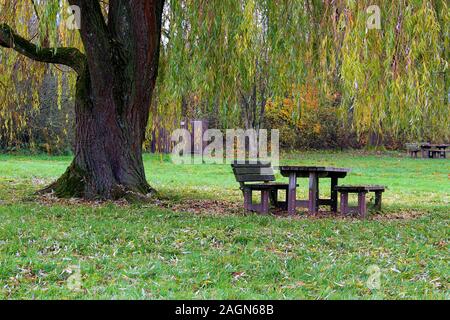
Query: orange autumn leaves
point(294, 109)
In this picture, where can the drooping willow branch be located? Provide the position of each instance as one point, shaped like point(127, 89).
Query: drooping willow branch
point(35, 9)
point(70, 57)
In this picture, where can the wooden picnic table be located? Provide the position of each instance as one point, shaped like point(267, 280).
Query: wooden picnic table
point(441, 146)
point(314, 174)
point(430, 150)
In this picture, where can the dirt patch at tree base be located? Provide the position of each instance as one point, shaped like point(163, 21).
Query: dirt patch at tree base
point(222, 207)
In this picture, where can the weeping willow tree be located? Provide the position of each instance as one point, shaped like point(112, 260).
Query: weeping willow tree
point(396, 77)
point(226, 60)
point(21, 80)
point(115, 56)
point(230, 57)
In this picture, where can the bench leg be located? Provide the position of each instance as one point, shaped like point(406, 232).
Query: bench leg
point(378, 197)
point(264, 201)
point(362, 206)
point(344, 202)
point(248, 199)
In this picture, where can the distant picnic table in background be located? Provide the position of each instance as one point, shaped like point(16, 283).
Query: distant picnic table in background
point(428, 150)
point(434, 150)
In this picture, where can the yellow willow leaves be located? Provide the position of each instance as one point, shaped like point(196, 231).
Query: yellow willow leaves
point(216, 53)
point(21, 79)
point(395, 75)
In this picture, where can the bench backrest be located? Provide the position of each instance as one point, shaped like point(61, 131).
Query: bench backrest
point(253, 172)
point(412, 146)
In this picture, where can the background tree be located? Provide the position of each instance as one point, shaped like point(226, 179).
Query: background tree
point(310, 58)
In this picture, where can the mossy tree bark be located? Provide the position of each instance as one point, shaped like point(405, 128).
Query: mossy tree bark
point(116, 78)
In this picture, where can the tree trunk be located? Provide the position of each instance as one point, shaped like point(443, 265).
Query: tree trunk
point(116, 78)
point(108, 158)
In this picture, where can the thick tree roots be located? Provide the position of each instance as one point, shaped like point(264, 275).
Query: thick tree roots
point(74, 183)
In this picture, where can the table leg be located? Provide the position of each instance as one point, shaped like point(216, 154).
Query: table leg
point(313, 192)
point(292, 193)
point(334, 194)
point(378, 196)
point(274, 198)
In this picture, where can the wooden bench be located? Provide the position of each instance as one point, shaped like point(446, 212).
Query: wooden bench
point(413, 149)
point(361, 191)
point(259, 177)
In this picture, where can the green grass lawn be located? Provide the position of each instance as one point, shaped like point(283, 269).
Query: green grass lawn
point(147, 251)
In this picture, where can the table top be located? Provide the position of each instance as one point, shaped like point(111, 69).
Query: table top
point(305, 170)
point(438, 145)
point(313, 169)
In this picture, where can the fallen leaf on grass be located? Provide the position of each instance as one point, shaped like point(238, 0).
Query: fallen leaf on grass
point(224, 208)
point(238, 275)
point(38, 182)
